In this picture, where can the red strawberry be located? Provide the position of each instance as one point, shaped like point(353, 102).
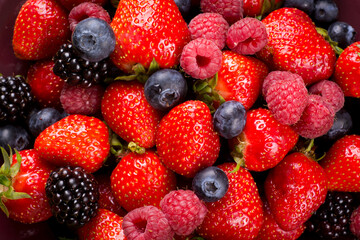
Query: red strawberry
point(342, 165)
point(105, 225)
point(239, 214)
point(347, 70)
point(146, 30)
point(76, 140)
point(45, 85)
point(294, 45)
point(294, 189)
point(127, 112)
point(70, 4)
point(270, 230)
point(264, 142)
point(41, 27)
point(240, 78)
point(186, 140)
point(27, 176)
point(255, 8)
point(141, 179)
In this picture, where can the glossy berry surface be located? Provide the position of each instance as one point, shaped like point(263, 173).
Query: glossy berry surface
point(342, 33)
point(184, 7)
point(14, 135)
point(304, 5)
point(342, 125)
point(326, 11)
point(210, 184)
point(43, 118)
point(229, 119)
point(165, 89)
point(94, 39)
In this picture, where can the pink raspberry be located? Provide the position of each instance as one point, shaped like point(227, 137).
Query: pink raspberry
point(201, 58)
point(355, 222)
point(331, 93)
point(316, 120)
point(78, 99)
point(287, 99)
point(85, 10)
point(247, 36)
point(184, 210)
point(231, 10)
point(147, 223)
point(278, 76)
point(211, 26)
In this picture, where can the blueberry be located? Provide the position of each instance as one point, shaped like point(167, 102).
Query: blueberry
point(42, 119)
point(304, 5)
point(342, 33)
point(184, 7)
point(229, 119)
point(210, 184)
point(165, 89)
point(341, 126)
point(326, 11)
point(94, 39)
point(16, 136)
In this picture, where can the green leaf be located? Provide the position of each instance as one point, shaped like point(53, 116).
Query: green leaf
point(11, 194)
point(5, 168)
point(3, 207)
point(16, 167)
point(5, 181)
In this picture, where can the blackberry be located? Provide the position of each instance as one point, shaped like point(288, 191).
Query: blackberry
point(16, 99)
point(73, 196)
point(332, 219)
point(76, 70)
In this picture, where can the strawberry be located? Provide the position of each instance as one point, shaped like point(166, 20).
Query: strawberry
point(239, 214)
point(41, 27)
point(22, 186)
point(347, 70)
point(264, 142)
point(45, 85)
point(295, 45)
point(105, 225)
point(186, 140)
point(76, 140)
point(146, 30)
point(240, 78)
point(294, 189)
point(127, 112)
point(141, 179)
point(342, 165)
point(257, 8)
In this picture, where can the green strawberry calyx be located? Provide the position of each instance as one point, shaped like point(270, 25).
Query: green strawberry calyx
point(119, 148)
point(324, 33)
point(237, 154)
point(7, 172)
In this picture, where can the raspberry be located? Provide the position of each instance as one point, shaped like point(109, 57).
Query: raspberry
point(247, 36)
point(316, 119)
point(184, 210)
point(355, 222)
point(147, 223)
point(211, 26)
point(79, 99)
point(201, 58)
point(85, 10)
point(277, 76)
point(330, 92)
point(231, 10)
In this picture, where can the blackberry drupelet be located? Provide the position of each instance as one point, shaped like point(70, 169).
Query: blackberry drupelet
point(76, 70)
point(332, 219)
point(16, 99)
point(73, 196)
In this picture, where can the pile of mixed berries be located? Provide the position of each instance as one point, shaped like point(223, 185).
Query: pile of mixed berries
point(163, 119)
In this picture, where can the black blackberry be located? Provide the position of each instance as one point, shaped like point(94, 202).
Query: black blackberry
point(76, 70)
point(73, 196)
point(16, 99)
point(332, 219)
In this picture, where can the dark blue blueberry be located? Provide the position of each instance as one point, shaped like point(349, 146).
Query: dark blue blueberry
point(304, 5)
point(229, 119)
point(342, 33)
point(210, 184)
point(165, 89)
point(42, 119)
point(184, 7)
point(326, 11)
point(341, 126)
point(94, 39)
point(16, 136)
